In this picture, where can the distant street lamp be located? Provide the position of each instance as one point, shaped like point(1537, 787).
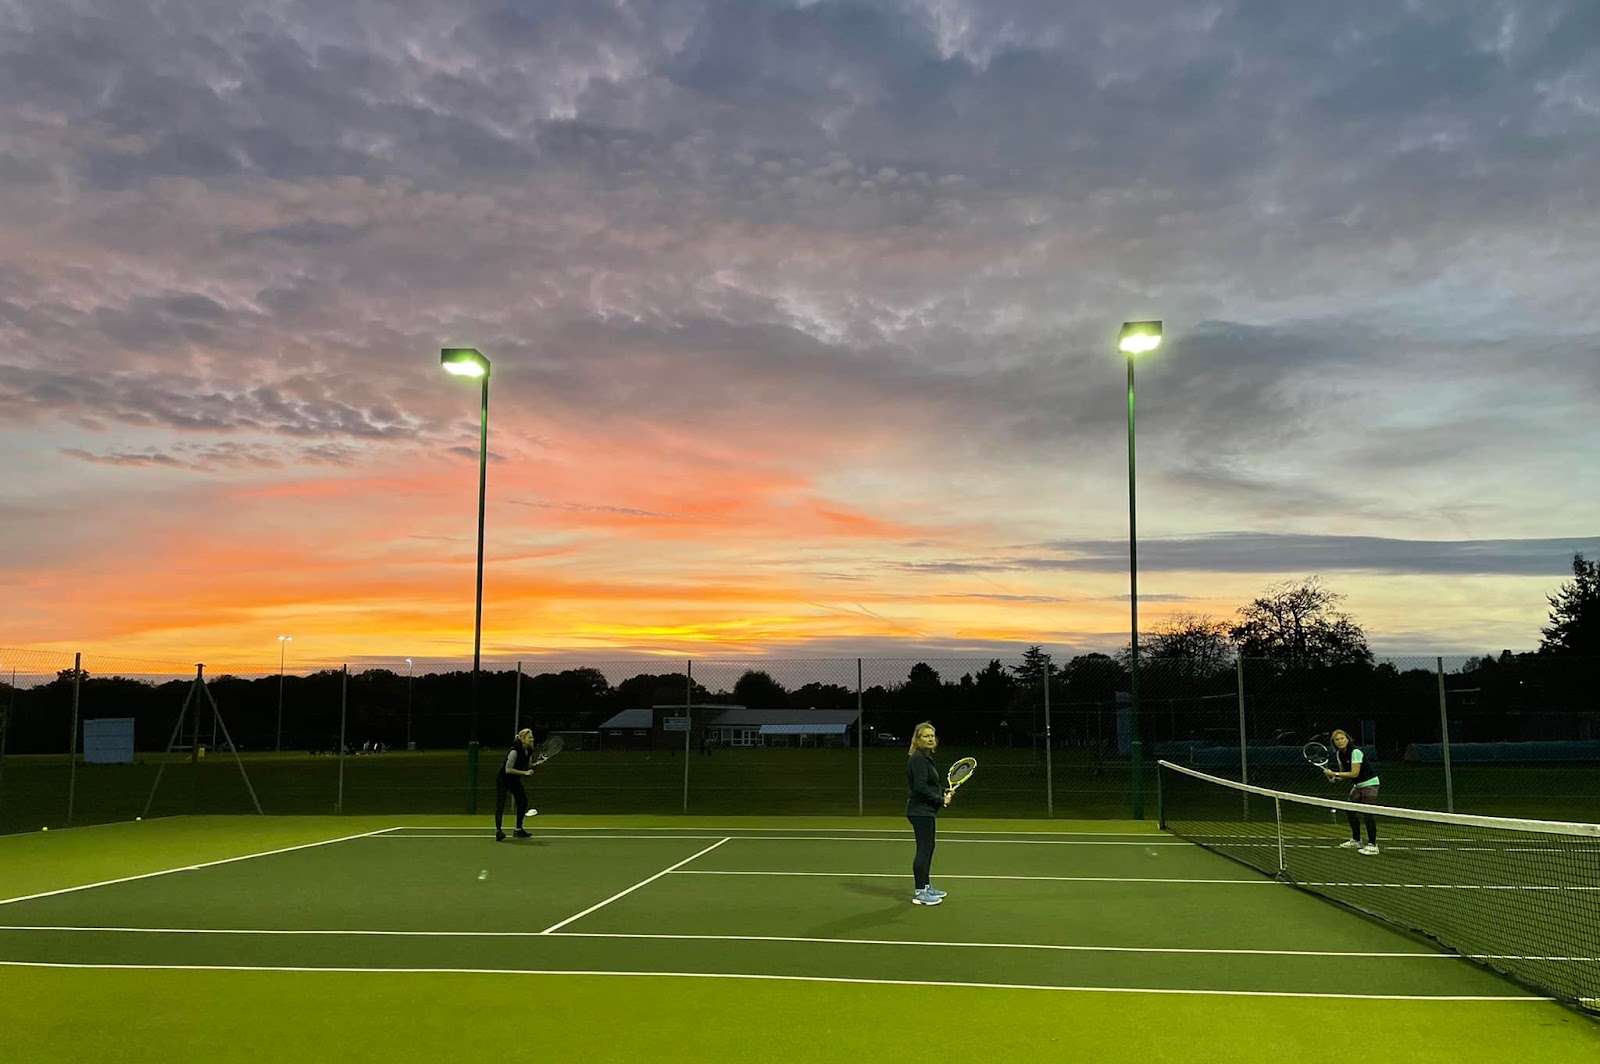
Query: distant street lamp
point(1136, 338)
point(283, 644)
point(408, 703)
point(469, 362)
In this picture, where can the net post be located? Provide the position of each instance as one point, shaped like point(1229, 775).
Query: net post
point(1277, 813)
point(1049, 772)
point(1444, 741)
point(72, 747)
point(1161, 799)
point(1244, 745)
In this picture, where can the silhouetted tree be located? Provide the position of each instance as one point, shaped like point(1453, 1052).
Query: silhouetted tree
point(1575, 613)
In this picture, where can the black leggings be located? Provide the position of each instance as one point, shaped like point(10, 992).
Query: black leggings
point(1355, 827)
point(512, 785)
point(922, 865)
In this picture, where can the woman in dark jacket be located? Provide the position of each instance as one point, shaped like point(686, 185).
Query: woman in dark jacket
point(926, 795)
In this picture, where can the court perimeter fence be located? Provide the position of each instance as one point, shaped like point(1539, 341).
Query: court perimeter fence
point(92, 739)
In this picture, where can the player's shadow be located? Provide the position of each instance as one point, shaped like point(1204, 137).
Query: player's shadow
point(874, 918)
point(877, 888)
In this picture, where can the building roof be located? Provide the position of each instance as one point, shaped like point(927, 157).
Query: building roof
point(804, 729)
point(631, 718)
point(755, 718)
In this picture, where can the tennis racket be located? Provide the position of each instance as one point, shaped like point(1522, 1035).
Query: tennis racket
point(1315, 753)
point(960, 772)
point(549, 748)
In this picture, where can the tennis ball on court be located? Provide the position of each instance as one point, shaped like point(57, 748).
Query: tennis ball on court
point(138, 818)
point(484, 874)
point(45, 828)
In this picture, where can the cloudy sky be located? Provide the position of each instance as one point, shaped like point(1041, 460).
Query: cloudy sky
point(802, 318)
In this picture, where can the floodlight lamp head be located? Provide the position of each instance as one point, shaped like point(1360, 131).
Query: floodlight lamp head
point(464, 361)
point(1139, 337)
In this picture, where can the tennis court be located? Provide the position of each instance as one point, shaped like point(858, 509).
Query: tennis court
point(616, 938)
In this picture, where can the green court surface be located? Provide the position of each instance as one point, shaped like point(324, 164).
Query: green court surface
point(710, 939)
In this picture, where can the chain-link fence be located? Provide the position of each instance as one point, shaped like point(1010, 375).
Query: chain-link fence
point(93, 739)
point(1513, 736)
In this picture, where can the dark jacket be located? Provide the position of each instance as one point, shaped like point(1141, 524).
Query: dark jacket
point(1342, 762)
point(924, 788)
point(518, 756)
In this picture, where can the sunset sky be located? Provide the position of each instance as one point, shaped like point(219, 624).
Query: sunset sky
point(802, 318)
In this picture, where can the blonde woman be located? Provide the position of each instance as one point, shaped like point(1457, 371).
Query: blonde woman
point(508, 781)
point(925, 796)
point(1349, 763)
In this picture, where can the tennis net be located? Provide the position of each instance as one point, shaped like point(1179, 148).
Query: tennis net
point(1520, 896)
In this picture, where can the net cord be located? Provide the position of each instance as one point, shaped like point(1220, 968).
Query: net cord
point(1429, 816)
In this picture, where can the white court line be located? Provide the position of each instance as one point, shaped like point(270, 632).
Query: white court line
point(1188, 950)
point(630, 890)
point(1257, 881)
point(189, 868)
point(1263, 880)
point(557, 838)
point(906, 837)
point(334, 933)
point(942, 831)
point(502, 972)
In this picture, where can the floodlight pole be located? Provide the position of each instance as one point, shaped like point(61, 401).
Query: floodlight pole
point(477, 612)
point(469, 362)
point(1136, 337)
point(1135, 737)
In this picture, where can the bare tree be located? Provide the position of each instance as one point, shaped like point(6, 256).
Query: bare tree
point(1300, 623)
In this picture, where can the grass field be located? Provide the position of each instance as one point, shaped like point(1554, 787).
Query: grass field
point(34, 789)
point(709, 939)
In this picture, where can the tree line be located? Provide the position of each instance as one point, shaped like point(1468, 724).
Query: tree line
point(1309, 659)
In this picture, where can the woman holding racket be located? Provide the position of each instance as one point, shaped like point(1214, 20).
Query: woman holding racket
point(1349, 763)
point(926, 795)
point(508, 781)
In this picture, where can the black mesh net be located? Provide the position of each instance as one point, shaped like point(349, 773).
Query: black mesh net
point(1520, 896)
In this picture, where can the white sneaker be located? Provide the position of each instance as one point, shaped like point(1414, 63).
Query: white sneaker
point(922, 897)
point(1349, 844)
point(1369, 849)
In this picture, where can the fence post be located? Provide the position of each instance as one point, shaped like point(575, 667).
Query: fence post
point(72, 747)
point(5, 726)
point(194, 739)
point(344, 699)
point(1049, 769)
point(861, 742)
point(688, 712)
point(1444, 741)
point(1244, 742)
point(516, 704)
